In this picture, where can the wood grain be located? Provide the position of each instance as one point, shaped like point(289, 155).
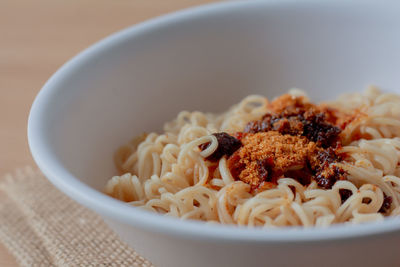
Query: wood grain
point(37, 37)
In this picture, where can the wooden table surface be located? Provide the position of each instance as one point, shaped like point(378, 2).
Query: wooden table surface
point(36, 38)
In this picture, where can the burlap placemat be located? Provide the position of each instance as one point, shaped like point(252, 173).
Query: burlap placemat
point(42, 227)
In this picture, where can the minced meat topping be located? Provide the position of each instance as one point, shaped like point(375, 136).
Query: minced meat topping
point(297, 118)
point(296, 139)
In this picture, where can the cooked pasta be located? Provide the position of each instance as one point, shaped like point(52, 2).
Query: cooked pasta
point(184, 173)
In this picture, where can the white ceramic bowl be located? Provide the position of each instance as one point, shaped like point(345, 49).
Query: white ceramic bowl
point(208, 58)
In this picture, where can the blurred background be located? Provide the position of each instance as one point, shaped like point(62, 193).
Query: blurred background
point(36, 38)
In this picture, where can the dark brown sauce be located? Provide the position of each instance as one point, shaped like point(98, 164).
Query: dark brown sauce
point(227, 144)
point(387, 202)
point(345, 194)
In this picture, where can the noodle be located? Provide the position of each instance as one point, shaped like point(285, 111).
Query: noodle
point(167, 173)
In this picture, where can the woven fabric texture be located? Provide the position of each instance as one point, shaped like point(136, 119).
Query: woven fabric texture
point(41, 226)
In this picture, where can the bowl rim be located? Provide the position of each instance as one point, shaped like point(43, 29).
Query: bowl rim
point(111, 208)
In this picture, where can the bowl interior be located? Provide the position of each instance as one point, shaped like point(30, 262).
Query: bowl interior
point(136, 80)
